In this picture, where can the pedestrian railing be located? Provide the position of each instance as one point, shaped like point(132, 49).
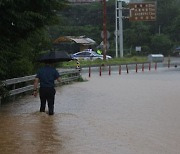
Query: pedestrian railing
point(25, 84)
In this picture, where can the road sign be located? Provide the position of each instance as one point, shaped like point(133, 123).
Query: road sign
point(118, 32)
point(102, 34)
point(142, 11)
point(138, 48)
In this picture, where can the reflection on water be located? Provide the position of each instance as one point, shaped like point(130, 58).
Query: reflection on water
point(35, 133)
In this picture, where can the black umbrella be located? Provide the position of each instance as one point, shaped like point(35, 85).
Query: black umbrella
point(54, 56)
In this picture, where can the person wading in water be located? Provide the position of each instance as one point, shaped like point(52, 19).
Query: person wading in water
point(46, 76)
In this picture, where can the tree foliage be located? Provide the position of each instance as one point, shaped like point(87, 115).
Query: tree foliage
point(88, 20)
point(161, 44)
point(23, 31)
point(27, 27)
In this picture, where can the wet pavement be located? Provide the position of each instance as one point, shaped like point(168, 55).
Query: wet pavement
point(135, 113)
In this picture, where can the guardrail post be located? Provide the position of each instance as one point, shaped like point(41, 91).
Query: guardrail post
point(127, 69)
point(155, 66)
point(149, 66)
point(143, 67)
point(119, 69)
point(100, 71)
point(168, 63)
point(89, 71)
point(136, 68)
point(109, 70)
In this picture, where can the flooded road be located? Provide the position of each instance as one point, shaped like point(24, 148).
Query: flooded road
point(135, 113)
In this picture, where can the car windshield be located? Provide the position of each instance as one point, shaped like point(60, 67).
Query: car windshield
point(84, 53)
point(94, 53)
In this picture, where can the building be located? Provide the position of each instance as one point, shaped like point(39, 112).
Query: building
point(73, 43)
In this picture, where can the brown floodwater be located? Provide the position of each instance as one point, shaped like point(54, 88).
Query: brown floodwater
point(135, 113)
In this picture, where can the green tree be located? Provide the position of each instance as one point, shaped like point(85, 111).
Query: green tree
point(161, 44)
point(88, 20)
point(137, 35)
point(23, 31)
point(174, 30)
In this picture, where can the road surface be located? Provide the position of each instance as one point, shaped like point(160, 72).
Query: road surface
point(135, 113)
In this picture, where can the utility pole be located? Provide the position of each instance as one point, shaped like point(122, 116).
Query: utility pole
point(104, 30)
point(119, 28)
point(116, 29)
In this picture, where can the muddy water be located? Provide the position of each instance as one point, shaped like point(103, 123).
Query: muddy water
point(128, 114)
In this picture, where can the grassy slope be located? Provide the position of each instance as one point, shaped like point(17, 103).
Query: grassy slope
point(114, 61)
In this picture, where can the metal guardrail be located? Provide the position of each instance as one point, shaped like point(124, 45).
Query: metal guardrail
point(66, 77)
point(71, 75)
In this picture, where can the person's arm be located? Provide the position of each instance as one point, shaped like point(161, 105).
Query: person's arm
point(36, 81)
point(59, 79)
point(57, 76)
